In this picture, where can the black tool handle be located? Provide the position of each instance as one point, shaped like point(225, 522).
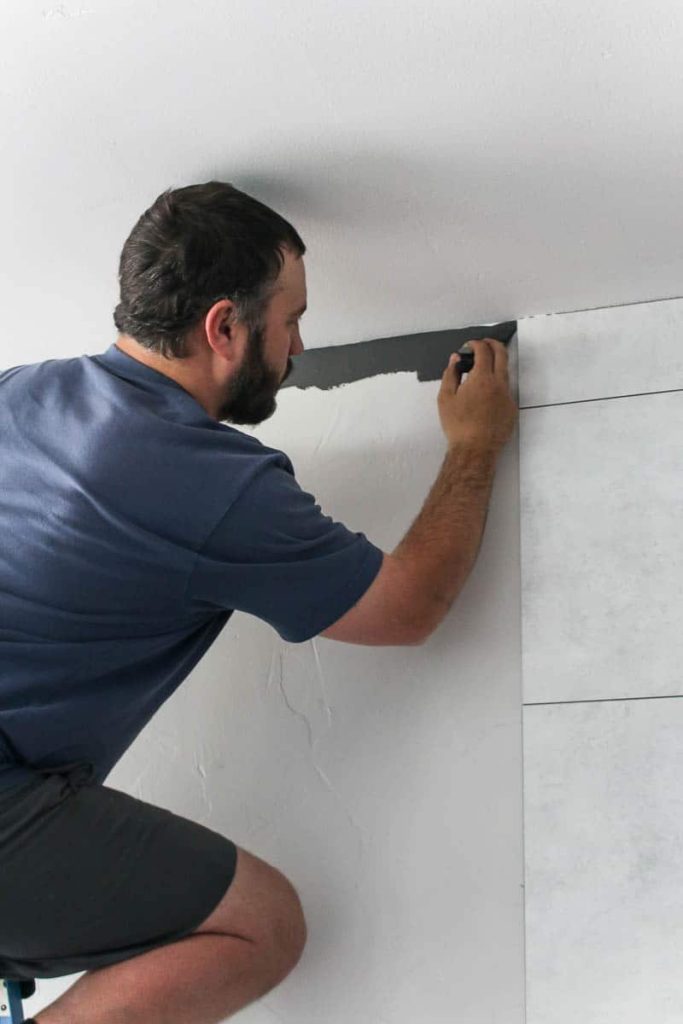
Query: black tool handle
point(466, 362)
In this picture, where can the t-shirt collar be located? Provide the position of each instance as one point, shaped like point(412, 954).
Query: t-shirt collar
point(128, 366)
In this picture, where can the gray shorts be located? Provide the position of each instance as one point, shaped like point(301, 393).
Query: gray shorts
point(90, 876)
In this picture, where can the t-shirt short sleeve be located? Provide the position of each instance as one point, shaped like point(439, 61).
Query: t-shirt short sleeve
point(275, 555)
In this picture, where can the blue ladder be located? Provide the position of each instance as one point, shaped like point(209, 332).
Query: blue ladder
point(11, 995)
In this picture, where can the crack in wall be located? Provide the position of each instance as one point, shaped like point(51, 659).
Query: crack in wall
point(201, 772)
point(313, 741)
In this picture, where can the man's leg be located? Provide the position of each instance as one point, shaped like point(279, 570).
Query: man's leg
point(249, 943)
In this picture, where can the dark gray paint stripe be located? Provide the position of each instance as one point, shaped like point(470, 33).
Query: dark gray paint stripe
point(425, 354)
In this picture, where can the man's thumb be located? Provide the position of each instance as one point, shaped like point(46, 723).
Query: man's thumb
point(450, 375)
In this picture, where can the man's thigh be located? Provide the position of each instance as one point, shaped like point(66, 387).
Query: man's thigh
point(95, 876)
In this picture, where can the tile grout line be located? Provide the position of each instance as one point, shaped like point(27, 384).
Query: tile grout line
point(592, 309)
point(599, 700)
point(606, 398)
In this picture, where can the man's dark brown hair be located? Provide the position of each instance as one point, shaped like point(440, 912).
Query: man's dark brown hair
point(192, 247)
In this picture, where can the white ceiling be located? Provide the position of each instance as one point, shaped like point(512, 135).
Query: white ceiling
point(445, 163)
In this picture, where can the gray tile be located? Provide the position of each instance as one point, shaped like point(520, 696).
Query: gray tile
point(603, 807)
point(622, 350)
point(601, 494)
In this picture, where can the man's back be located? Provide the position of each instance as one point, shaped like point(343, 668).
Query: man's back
point(134, 524)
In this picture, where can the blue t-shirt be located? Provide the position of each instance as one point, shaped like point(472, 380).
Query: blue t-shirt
point(132, 525)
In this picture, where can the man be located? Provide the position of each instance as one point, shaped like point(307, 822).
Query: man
point(136, 522)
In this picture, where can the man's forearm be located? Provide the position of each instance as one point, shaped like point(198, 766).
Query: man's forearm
point(442, 545)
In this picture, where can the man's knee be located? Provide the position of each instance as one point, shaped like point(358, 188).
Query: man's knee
point(289, 933)
point(263, 906)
